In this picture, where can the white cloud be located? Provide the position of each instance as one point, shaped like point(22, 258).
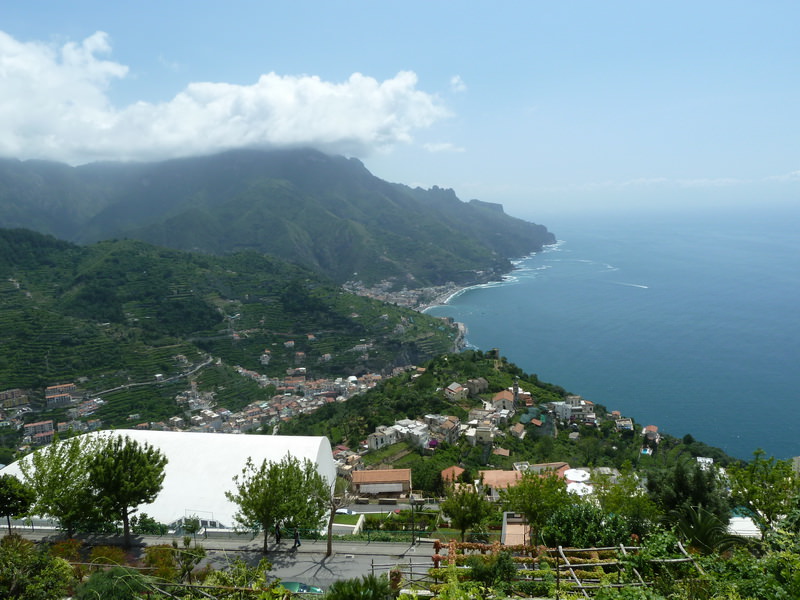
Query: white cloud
point(443, 147)
point(54, 105)
point(650, 182)
point(457, 84)
point(791, 177)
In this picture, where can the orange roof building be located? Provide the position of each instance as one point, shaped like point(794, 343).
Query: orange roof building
point(451, 474)
point(385, 482)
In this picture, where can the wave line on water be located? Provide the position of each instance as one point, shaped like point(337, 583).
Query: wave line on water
point(636, 285)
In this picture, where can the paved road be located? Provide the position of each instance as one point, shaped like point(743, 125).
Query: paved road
point(307, 563)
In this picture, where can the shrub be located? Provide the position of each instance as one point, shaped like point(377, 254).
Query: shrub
point(160, 562)
point(369, 587)
point(107, 555)
point(71, 551)
point(30, 573)
point(544, 589)
point(116, 583)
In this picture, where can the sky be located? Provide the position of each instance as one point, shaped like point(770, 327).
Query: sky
point(549, 108)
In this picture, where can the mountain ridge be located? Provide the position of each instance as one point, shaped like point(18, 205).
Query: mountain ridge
point(327, 213)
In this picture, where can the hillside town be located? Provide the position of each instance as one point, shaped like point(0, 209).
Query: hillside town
point(486, 425)
point(198, 411)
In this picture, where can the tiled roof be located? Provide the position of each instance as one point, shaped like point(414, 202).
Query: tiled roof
point(500, 479)
point(382, 476)
point(452, 473)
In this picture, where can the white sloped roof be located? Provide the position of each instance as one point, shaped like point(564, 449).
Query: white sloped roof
point(202, 465)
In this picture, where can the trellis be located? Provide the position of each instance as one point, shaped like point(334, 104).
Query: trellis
point(569, 563)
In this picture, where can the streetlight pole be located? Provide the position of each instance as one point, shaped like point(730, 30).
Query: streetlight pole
point(415, 503)
point(412, 521)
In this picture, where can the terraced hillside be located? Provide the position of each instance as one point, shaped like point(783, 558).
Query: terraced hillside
point(115, 315)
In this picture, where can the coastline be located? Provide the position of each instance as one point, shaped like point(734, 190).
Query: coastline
point(444, 298)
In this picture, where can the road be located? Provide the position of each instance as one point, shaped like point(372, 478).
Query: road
point(307, 563)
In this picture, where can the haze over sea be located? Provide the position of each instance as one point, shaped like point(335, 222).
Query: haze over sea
point(689, 322)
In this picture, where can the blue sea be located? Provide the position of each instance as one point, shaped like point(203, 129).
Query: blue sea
point(685, 321)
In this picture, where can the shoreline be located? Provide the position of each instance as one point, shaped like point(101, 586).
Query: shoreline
point(442, 299)
point(424, 298)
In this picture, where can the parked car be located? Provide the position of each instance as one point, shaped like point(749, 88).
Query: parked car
point(301, 588)
point(345, 511)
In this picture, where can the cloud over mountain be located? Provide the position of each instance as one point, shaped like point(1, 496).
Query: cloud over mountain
point(55, 105)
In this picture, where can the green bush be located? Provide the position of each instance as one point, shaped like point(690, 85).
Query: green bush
point(30, 573)
point(116, 583)
point(369, 587)
point(544, 589)
point(107, 555)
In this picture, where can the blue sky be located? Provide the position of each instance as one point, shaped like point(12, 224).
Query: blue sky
point(547, 107)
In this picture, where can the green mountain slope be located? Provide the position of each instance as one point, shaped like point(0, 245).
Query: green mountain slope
point(327, 213)
point(123, 311)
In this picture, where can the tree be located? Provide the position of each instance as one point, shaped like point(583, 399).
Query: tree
point(687, 486)
point(59, 477)
point(584, 525)
point(339, 498)
point(16, 498)
point(765, 488)
point(705, 533)
point(628, 499)
point(278, 493)
point(124, 474)
point(465, 507)
point(536, 497)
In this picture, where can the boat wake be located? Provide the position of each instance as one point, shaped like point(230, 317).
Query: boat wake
point(636, 285)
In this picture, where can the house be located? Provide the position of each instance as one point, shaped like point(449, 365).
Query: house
point(58, 400)
point(12, 398)
point(455, 392)
point(524, 398)
point(495, 480)
point(479, 414)
point(59, 395)
point(480, 433)
point(503, 401)
point(502, 417)
point(477, 386)
point(518, 431)
point(650, 432)
point(449, 429)
point(416, 432)
point(44, 437)
point(38, 427)
point(382, 482)
point(576, 410)
point(383, 436)
point(452, 474)
point(445, 428)
point(55, 390)
point(624, 424)
point(557, 468)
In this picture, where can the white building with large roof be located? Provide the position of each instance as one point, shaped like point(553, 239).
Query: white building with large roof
point(202, 465)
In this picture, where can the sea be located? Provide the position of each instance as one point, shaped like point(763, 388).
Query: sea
point(687, 321)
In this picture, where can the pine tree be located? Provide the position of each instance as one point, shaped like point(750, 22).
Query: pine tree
point(124, 474)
